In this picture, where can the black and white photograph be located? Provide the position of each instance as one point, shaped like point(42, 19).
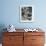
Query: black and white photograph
point(26, 13)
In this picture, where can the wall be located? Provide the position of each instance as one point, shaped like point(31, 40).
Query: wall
point(10, 13)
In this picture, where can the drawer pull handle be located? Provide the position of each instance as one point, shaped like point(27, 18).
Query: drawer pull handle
point(33, 39)
point(10, 38)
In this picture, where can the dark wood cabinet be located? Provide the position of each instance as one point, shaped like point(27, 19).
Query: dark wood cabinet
point(23, 39)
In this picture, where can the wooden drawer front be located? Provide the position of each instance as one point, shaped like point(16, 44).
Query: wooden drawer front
point(27, 41)
point(13, 33)
point(12, 39)
point(33, 33)
point(12, 44)
point(37, 39)
point(37, 45)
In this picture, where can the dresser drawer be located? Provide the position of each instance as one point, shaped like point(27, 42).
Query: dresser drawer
point(37, 39)
point(13, 44)
point(12, 39)
point(13, 33)
point(34, 33)
point(37, 44)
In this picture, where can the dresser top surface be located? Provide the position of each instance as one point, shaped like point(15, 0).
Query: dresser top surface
point(22, 30)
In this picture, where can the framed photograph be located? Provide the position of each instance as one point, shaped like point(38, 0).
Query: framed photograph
point(26, 13)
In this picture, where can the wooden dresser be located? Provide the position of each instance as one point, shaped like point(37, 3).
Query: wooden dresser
point(23, 38)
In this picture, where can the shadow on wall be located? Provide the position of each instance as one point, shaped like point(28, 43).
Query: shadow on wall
point(2, 26)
